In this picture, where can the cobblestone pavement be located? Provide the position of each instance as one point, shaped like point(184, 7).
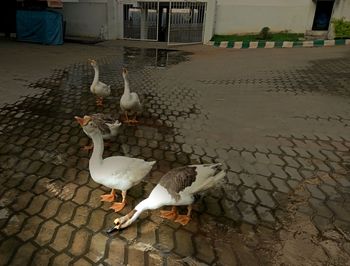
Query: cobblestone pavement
point(281, 129)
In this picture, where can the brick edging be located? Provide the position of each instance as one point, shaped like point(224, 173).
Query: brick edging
point(278, 44)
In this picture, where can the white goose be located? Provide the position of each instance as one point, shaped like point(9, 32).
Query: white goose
point(129, 102)
point(116, 172)
point(108, 125)
point(97, 87)
point(177, 187)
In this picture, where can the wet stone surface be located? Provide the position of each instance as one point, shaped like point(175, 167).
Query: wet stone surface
point(291, 194)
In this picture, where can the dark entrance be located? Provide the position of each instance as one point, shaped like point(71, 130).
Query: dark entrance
point(322, 15)
point(163, 22)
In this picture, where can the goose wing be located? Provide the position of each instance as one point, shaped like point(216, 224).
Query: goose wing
point(176, 180)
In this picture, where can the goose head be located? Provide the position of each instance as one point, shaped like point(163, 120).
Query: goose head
point(123, 222)
point(92, 62)
point(125, 72)
point(89, 127)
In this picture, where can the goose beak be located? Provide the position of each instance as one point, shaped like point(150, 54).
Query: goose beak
point(79, 120)
point(82, 121)
point(111, 230)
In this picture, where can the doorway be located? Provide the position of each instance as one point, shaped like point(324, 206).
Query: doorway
point(323, 15)
point(163, 22)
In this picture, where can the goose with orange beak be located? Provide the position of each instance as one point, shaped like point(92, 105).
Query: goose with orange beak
point(177, 187)
point(129, 102)
point(108, 125)
point(97, 87)
point(115, 172)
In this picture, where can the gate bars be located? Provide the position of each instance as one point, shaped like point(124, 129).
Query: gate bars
point(185, 21)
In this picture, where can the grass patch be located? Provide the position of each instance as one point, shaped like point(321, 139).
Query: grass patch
point(281, 36)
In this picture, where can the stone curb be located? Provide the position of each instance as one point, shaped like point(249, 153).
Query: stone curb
point(278, 44)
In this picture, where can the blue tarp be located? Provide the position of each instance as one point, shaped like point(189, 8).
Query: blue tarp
point(39, 26)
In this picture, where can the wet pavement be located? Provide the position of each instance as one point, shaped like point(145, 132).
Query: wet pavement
point(282, 131)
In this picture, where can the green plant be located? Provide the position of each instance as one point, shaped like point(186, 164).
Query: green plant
point(265, 33)
point(341, 28)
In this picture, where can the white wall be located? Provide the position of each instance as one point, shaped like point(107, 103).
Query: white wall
point(243, 16)
point(85, 18)
point(341, 9)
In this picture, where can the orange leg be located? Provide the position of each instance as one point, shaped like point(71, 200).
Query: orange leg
point(170, 215)
point(184, 219)
point(99, 101)
point(108, 197)
point(134, 121)
point(118, 206)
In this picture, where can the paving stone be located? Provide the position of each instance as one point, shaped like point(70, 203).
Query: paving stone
point(265, 214)
point(248, 195)
point(277, 171)
point(321, 208)
point(95, 198)
point(322, 223)
point(331, 192)
point(265, 198)
point(27, 181)
point(62, 237)
point(97, 247)
point(42, 257)
point(288, 150)
point(30, 228)
point(130, 234)
point(212, 205)
point(262, 169)
point(248, 156)
point(82, 178)
point(166, 237)
point(315, 192)
point(82, 195)
point(293, 173)
point(154, 259)
point(343, 180)
point(65, 212)
point(204, 249)
point(247, 212)
point(136, 255)
point(46, 232)
point(116, 252)
point(183, 243)
point(82, 262)
point(280, 185)
point(51, 208)
point(80, 242)
point(14, 224)
point(23, 254)
point(316, 154)
point(81, 216)
point(302, 152)
point(306, 163)
point(22, 201)
point(291, 162)
point(61, 259)
point(276, 160)
point(248, 180)
point(96, 220)
point(148, 233)
point(339, 210)
point(7, 249)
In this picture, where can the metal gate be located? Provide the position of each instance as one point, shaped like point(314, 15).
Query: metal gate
point(180, 22)
point(186, 22)
point(141, 21)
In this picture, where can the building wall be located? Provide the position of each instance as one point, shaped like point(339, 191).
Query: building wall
point(341, 9)
point(243, 16)
point(86, 18)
